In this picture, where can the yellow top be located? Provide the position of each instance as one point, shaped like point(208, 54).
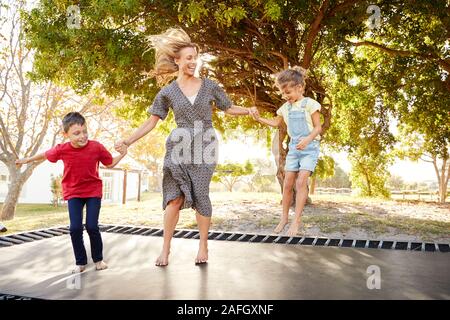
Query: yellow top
point(311, 107)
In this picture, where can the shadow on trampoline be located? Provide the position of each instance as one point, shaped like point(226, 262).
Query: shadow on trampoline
point(241, 266)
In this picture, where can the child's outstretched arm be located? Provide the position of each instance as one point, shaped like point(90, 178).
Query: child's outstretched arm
point(238, 111)
point(37, 157)
point(117, 159)
point(275, 122)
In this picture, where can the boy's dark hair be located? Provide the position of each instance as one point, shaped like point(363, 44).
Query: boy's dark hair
point(72, 118)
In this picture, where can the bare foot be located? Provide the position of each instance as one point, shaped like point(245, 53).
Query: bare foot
point(163, 259)
point(293, 229)
point(79, 269)
point(202, 255)
point(280, 226)
point(101, 265)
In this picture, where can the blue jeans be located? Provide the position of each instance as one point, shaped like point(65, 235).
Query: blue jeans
point(76, 206)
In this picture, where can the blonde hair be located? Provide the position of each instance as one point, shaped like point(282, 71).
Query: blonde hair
point(167, 47)
point(291, 77)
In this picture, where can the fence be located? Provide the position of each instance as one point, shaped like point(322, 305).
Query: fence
point(341, 191)
point(415, 195)
point(395, 194)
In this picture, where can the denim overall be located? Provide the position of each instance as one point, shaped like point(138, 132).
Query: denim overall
point(305, 159)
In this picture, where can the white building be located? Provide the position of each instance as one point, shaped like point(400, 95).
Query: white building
point(37, 188)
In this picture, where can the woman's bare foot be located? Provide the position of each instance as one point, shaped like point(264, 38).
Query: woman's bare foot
point(293, 229)
point(280, 226)
point(202, 255)
point(163, 259)
point(79, 269)
point(101, 265)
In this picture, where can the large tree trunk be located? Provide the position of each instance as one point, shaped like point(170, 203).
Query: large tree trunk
point(369, 187)
point(442, 178)
point(443, 193)
point(18, 179)
point(280, 153)
point(12, 197)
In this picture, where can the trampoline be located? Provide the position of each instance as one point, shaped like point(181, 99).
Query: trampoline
point(35, 264)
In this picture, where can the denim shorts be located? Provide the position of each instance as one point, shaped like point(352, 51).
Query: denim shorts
point(305, 159)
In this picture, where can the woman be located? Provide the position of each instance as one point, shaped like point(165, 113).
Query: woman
point(186, 177)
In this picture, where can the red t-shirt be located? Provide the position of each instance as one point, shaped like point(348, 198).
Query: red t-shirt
point(80, 178)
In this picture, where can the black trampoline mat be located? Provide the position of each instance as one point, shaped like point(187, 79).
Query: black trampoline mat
point(236, 270)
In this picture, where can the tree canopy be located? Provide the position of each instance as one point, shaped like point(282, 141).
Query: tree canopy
point(369, 62)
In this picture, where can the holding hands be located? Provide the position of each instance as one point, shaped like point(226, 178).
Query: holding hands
point(20, 162)
point(121, 146)
point(254, 113)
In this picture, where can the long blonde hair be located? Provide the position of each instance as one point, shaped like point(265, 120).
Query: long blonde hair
point(167, 47)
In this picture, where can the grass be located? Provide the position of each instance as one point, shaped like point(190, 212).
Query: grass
point(375, 225)
point(36, 216)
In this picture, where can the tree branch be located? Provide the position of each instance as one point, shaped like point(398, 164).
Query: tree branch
point(340, 7)
point(313, 31)
point(445, 64)
point(284, 59)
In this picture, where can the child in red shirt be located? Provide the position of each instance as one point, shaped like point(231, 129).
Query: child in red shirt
point(81, 185)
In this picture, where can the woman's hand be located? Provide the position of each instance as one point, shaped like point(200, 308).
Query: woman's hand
point(254, 113)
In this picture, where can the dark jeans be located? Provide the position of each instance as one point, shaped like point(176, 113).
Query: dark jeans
point(76, 228)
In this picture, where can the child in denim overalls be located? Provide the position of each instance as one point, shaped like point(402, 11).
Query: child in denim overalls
point(303, 122)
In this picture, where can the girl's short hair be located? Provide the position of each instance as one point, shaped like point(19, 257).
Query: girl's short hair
point(72, 118)
point(291, 77)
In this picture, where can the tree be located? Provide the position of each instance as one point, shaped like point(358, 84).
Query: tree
point(431, 147)
point(264, 177)
point(324, 169)
point(369, 174)
point(361, 125)
point(56, 189)
point(31, 112)
point(229, 174)
point(340, 179)
point(396, 182)
point(249, 42)
point(149, 152)
point(411, 45)
point(26, 109)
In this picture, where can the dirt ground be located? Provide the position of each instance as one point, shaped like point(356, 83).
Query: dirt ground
point(354, 218)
